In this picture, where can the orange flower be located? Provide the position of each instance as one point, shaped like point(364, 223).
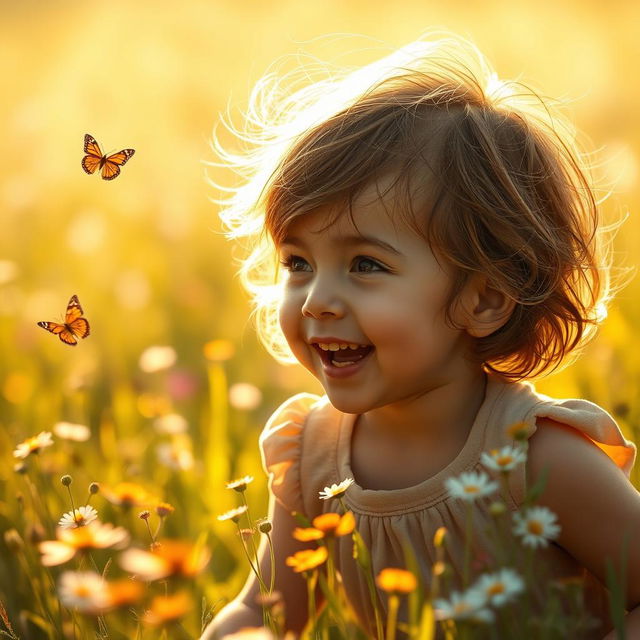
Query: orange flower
point(168, 558)
point(167, 609)
point(127, 495)
point(124, 592)
point(396, 581)
point(219, 350)
point(163, 509)
point(307, 534)
point(95, 535)
point(325, 526)
point(520, 430)
point(308, 559)
point(153, 405)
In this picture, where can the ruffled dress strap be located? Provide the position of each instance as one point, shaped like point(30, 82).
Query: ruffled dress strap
point(596, 424)
point(519, 403)
point(297, 447)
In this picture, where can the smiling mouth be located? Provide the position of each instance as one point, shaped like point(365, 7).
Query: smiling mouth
point(342, 355)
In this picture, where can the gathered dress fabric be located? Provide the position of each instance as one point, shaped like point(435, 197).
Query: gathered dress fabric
point(306, 446)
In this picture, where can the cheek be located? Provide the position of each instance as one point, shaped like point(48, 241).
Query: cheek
point(289, 315)
point(285, 318)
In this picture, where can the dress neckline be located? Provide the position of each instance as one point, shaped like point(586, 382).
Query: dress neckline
point(427, 492)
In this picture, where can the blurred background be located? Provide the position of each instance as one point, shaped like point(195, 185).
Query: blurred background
point(145, 253)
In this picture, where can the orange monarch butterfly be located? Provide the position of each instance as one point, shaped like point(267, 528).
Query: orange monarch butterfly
point(74, 324)
point(95, 159)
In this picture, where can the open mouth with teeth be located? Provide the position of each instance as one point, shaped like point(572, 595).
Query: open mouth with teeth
point(343, 354)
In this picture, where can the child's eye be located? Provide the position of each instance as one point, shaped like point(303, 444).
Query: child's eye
point(294, 263)
point(362, 264)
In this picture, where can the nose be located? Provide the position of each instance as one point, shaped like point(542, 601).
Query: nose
point(323, 301)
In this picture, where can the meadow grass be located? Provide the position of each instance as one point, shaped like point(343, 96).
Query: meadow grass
point(168, 562)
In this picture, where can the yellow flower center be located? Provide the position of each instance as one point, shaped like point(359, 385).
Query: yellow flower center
point(496, 588)
point(533, 526)
point(503, 461)
point(461, 607)
point(82, 591)
point(471, 488)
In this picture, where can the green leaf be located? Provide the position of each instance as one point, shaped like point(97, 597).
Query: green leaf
point(416, 597)
point(536, 490)
point(360, 551)
point(40, 622)
point(301, 519)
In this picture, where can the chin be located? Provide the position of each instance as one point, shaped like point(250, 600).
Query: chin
point(348, 404)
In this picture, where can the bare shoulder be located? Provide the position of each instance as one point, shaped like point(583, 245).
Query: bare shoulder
point(560, 447)
point(597, 506)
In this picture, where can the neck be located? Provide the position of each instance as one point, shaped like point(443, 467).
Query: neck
point(442, 413)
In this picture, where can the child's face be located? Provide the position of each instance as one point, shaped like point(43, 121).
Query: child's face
point(378, 286)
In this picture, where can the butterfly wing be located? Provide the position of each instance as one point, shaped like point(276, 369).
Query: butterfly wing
point(112, 164)
point(54, 327)
point(61, 330)
point(75, 324)
point(91, 161)
point(67, 337)
point(74, 310)
point(80, 327)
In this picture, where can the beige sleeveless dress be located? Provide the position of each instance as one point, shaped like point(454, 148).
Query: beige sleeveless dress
point(306, 446)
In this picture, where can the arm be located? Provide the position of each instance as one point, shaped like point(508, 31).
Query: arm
point(243, 610)
point(597, 507)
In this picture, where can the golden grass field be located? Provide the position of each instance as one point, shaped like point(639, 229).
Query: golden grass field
point(146, 257)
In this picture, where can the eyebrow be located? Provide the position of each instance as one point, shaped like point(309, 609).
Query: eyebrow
point(350, 241)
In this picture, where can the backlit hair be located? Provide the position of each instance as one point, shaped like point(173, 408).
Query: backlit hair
point(487, 171)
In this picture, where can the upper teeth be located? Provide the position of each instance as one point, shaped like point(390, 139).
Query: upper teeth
point(334, 346)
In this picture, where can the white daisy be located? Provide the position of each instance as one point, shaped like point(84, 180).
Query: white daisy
point(244, 396)
point(234, 514)
point(240, 484)
point(504, 459)
point(536, 526)
point(469, 605)
point(171, 423)
point(336, 490)
point(85, 591)
point(78, 518)
point(175, 455)
point(33, 444)
point(500, 587)
point(71, 431)
point(470, 485)
point(157, 358)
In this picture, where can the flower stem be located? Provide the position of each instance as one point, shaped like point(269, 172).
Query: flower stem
point(376, 609)
point(311, 601)
point(253, 568)
point(73, 507)
point(331, 570)
point(153, 539)
point(272, 558)
point(467, 544)
point(251, 526)
point(392, 618)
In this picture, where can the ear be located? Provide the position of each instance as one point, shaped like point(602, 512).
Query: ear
point(484, 308)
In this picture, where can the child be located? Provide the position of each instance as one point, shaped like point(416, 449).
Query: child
point(438, 241)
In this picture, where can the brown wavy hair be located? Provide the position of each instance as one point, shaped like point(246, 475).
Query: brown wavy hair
point(488, 172)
